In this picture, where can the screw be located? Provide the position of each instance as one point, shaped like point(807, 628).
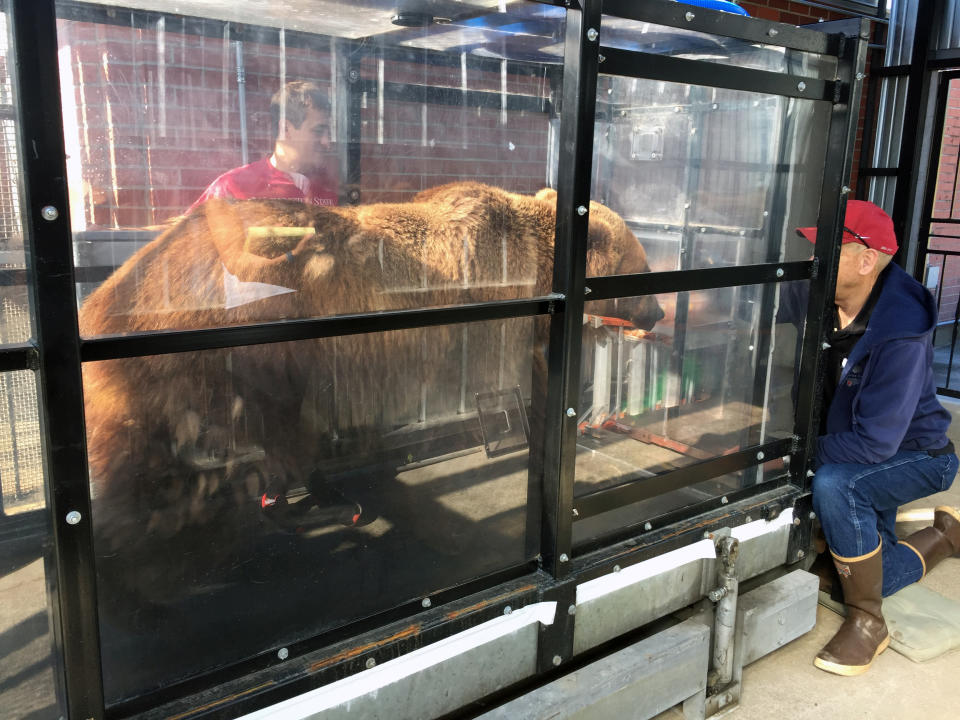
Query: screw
point(564, 557)
point(800, 554)
point(572, 610)
point(796, 521)
point(49, 213)
point(507, 610)
point(616, 568)
point(425, 602)
point(750, 348)
point(772, 32)
point(601, 58)
point(810, 473)
point(723, 500)
point(354, 75)
point(845, 189)
point(73, 517)
point(587, 291)
point(371, 663)
point(780, 272)
point(592, 34)
point(283, 653)
point(801, 86)
point(689, 16)
point(825, 346)
point(557, 660)
point(647, 526)
point(707, 534)
point(760, 455)
point(812, 515)
point(581, 210)
point(571, 412)
point(576, 513)
point(860, 76)
point(749, 519)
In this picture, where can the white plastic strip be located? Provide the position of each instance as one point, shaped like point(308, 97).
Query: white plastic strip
point(762, 527)
point(373, 680)
point(601, 586)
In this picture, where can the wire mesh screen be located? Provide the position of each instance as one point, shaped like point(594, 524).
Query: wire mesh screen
point(21, 464)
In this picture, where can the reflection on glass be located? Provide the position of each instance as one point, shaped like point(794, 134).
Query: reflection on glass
point(248, 498)
point(161, 114)
point(707, 177)
point(713, 377)
point(15, 321)
point(28, 684)
point(654, 39)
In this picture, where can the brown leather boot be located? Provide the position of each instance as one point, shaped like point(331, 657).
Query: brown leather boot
point(863, 634)
point(946, 519)
point(936, 543)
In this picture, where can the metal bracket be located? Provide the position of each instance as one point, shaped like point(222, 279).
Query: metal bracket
point(555, 645)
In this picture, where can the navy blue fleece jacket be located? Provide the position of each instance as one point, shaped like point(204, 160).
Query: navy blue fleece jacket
point(886, 400)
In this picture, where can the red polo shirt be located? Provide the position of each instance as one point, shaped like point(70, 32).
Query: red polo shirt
point(262, 180)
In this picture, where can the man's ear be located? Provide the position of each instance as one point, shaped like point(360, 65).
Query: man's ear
point(868, 261)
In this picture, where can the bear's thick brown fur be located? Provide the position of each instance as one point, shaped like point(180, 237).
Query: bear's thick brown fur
point(179, 440)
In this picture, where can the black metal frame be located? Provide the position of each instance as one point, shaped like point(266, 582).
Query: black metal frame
point(59, 353)
point(927, 219)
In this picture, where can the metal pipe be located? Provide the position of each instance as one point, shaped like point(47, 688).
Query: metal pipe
point(725, 595)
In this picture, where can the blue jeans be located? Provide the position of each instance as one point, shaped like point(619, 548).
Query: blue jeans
point(857, 506)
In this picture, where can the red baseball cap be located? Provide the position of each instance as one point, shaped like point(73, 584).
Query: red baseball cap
point(864, 223)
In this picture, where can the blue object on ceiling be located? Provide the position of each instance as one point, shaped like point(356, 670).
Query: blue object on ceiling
point(722, 5)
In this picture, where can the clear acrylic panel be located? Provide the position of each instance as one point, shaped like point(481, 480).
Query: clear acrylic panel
point(333, 126)
point(29, 668)
point(261, 495)
point(715, 376)
point(707, 177)
point(16, 325)
point(656, 39)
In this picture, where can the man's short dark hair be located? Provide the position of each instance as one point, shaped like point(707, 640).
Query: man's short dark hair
point(296, 98)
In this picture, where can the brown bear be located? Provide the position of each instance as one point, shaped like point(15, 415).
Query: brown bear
point(180, 443)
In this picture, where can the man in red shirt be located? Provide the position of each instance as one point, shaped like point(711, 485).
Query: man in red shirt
point(301, 166)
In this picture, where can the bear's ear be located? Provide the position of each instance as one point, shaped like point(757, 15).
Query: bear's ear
point(547, 195)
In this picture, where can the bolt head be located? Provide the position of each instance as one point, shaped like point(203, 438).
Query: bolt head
point(810, 473)
point(801, 86)
point(581, 210)
point(796, 521)
point(426, 602)
point(616, 568)
point(780, 272)
point(73, 517)
point(576, 513)
point(592, 35)
point(723, 500)
point(801, 554)
point(283, 653)
point(689, 16)
point(572, 610)
point(812, 515)
point(571, 412)
point(647, 526)
point(772, 32)
point(825, 346)
point(507, 610)
point(371, 663)
point(564, 557)
point(860, 76)
point(49, 213)
point(748, 518)
point(760, 455)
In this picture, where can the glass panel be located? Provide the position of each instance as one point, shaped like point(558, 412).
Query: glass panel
point(716, 376)
point(258, 496)
point(159, 111)
point(706, 177)
point(942, 278)
point(15, 321)
point(678, 42)
point(29, 673)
